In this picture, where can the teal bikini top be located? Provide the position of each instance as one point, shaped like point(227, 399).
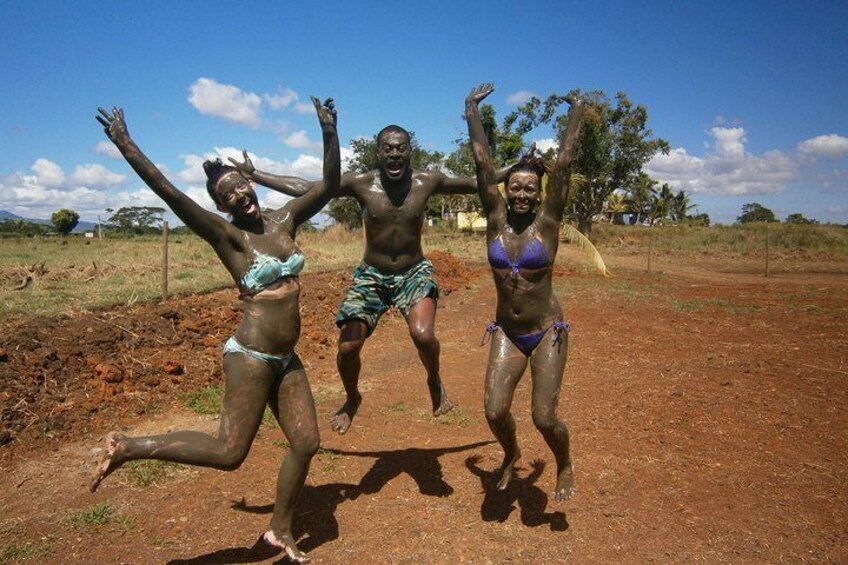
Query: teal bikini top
point(266, 270)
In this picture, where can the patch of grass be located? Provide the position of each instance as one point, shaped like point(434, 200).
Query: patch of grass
point(148, 472)
point(14, 552)
point(268, 419)
point(96, 515)
point(281, 443)
point(701, 304)
point(327, 459)
point(396, 407)
point(205, 401)
point(456, 417)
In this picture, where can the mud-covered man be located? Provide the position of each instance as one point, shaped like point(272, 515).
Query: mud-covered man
point(393, 271)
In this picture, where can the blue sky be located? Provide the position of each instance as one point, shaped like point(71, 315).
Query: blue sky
point(753, 98)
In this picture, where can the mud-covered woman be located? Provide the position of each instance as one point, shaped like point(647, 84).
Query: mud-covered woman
point(260, 364)
point(522, 236)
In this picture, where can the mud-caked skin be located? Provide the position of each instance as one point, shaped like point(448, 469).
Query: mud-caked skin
point(270, 325)
point(519, 225)
point(393, 200)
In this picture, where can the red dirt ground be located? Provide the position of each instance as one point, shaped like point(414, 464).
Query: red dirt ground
point(707, 413)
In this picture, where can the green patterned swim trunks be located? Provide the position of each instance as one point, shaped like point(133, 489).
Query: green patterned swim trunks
point(373, 292)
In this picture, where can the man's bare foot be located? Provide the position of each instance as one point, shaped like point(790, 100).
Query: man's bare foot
point(106, 464)
point(507, 468)
point(342, 419)
point(565, 483)
point(286, 543)
point(441, 403)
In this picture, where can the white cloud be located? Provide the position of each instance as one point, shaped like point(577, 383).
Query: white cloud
point(225, 101)
point(305, 108)
point(48, 173)
point(546, 143)
point(520, 97)
point(726, 169)
point(282, 99)
point(107, 148)
point(835, 209)
point(95, 175)
point(833, 145)
point(299, 140)
point(26, 196)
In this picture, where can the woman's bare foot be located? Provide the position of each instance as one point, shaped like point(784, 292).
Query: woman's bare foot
point(565, 483)
point(507, 467)
point(343, 418)
point(106, 464)
point(286, 543)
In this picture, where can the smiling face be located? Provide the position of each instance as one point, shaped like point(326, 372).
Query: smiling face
point(235, 196)
point(522, 192)
point(394, 154)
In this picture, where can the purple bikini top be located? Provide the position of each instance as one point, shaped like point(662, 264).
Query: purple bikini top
point(533, 256)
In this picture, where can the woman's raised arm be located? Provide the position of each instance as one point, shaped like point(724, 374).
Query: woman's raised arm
point(306, 206)
point(560, 182)
point(487, 184)
point(207, 225)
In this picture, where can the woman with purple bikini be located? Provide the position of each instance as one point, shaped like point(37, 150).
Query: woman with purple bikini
point(522, 234)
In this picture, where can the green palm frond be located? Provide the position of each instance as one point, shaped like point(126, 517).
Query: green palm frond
point(571, 235)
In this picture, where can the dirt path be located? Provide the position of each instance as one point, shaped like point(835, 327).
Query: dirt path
point(708, 420)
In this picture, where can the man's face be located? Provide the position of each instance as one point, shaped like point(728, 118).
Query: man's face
point(394, 154)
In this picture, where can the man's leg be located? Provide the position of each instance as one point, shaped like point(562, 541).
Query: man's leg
point(352, 336)
point(421, 320)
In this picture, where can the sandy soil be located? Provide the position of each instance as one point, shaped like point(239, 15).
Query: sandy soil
point(707, 413)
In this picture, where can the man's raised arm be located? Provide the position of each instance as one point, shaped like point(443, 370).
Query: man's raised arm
point(465, 185)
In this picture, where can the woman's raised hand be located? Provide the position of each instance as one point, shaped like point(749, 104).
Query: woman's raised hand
point(113, 124)
point(479, 93)
point(326, 111)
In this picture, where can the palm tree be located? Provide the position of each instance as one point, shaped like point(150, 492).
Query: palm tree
point(661, 204)
point(640, 196)
point(617, 206)
point(680, 206)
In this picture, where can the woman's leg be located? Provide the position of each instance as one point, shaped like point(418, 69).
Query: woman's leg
point(506, 365)
point(547, 364)
point(247, 382)
point(292, 404)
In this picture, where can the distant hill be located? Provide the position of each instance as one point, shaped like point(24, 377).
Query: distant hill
point(82, 226)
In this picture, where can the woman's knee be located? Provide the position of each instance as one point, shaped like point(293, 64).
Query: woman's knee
point(545, 419)
point(306, 445)
point(233, 457)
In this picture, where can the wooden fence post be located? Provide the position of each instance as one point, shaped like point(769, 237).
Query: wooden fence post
point(650, 249)
point(767, 252)
point(164, 261)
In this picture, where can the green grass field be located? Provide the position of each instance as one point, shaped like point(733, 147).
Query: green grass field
point(74, 274)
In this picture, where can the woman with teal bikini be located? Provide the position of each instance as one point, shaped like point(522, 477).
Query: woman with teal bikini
point(522, 234)
point(260, 365)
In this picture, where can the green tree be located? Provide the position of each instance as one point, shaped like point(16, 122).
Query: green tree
point(798, 218)
point(614, 144)
point(680, 205)
point(65, 220)
point(640, 194)
point(701, 219)
point(22, 227)
point(753, 212)
point(661, 204)
point(617, 205)
point(137, 219)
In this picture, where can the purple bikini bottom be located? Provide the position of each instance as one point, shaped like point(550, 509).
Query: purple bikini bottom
point(528, 342)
